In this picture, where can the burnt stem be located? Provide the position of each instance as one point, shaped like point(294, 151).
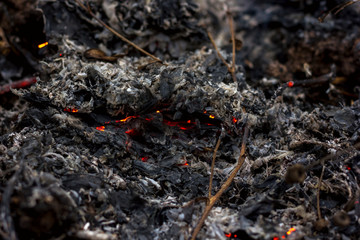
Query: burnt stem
point(227, 183)
point(115, 32)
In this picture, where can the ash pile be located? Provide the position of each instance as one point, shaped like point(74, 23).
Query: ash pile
point(100, 141)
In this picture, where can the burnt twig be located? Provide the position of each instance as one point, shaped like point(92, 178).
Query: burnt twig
point(337, 9)
point(88, 9)
point(231, 68)
point(212, 165)
point(17, 84)
point(227, 183)
point(333, 156)
point(231, 25)
point(318, 193)
point(218, 52)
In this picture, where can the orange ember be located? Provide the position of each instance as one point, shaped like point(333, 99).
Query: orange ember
point(125, 119)
point(43, 45)
point(130, 131)
point(101, 128)
point(73, 110)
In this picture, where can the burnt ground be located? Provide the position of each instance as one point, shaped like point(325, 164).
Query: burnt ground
point(97, 141)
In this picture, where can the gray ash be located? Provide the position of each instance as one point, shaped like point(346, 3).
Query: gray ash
point(109, 150)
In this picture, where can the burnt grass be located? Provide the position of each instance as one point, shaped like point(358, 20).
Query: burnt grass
point(109, 145)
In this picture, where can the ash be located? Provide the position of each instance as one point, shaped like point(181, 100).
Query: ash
point(122, 149)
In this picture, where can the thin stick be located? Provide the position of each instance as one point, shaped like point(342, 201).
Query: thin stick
point(212, 165)
point(318, 193)
point(232, 30)
point(227, 183)
point(17, 84)
point(333, 156)
point(338, 9)
point(116, 33)
point(341, 7)
point(218, 52)
point(231, 68)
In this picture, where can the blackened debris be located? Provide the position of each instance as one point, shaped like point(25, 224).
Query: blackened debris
point(107, 144)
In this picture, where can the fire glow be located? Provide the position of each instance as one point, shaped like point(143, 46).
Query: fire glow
point(144, 159)
point(17, 84)
point(73, 110)
point(229, 235)
point(183, 164)
point(182, 125)
point(234, 120)
point(43, 45)
point(101, 128)
point(288, 233)
point(125, 119)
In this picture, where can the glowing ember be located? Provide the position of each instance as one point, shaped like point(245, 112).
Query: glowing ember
point(101, 128)
point(125, 119)
point(181, 124)
point(184, 164)
point(291, 230)
point(290, 84)
point(144, 159)
point(73, 110)
point(228, 235)
point(234, 120)
point(130, 132)
point(17, 84)
point(288, 233)
point(43, 45)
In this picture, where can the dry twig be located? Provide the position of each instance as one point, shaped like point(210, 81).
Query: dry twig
point(318, 193)
point(212, 165)
point(334, 156)
point(88, 9)
point(337, 9)
point(232, 30)
point(17, 84)
point(227, 183)
point(231, 68)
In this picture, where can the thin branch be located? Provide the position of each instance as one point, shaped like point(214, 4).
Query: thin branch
point(227, 183)
point(115, 32)
point(337, 9)
point(333, 156)
point(318, 193)
point(232, 30)
point(17, 84)
point(212, 165)
point(218, 52)
point(231, 68)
